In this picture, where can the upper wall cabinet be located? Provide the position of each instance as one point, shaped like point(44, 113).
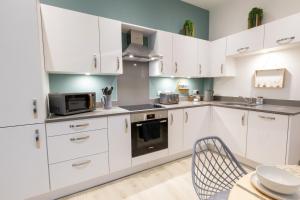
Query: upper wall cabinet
point(185, 55)
point(162, 44)
point(203, 58)
point(110, 46)
point(245, 42)
point(71, 41)
point(282, 32)
point(220, 65)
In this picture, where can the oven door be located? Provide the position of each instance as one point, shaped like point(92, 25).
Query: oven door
point(149, 136)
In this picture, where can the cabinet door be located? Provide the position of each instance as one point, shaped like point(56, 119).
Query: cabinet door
point(219, 64)
point(203, 58)
point(162, 44)
point(245, 42)
point(185, 55)
point(119, 138)
point(175, 131)
point(267, 138)
point(196, 124)
point(282, 32)
point(231, 126)
point(24, 167)
point(71, 41)
point(21, 77)
point(110, 46)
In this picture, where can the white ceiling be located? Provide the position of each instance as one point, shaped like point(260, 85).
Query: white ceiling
point(206, 4)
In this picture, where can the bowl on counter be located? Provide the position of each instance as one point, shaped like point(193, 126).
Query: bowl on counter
point(278, 180)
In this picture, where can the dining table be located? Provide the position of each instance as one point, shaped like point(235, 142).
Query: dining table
point(244, 190)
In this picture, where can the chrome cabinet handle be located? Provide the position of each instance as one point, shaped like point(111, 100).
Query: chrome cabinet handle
point(267, 118)
point(118, 64)
point(126, 125)
point(81, 164)
point(79, 139)
point(35, 108)
point(172, 118)
point(186, 117)
point(37, 139)
point(242, 50)
point(79, 125)
point(200, 69)
point(243, 119)
point(161, 66)
point(176, 67)
point(95, 61)
point(285, 40)
point(222, 68)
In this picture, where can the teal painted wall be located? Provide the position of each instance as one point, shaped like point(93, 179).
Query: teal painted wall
point(167, 15)
point(82, 83)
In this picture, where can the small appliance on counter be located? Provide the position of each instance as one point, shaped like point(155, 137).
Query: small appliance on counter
point(168, 98)
point(208, 95)
point(106, 99)
point(71, 103)
point(259, 100)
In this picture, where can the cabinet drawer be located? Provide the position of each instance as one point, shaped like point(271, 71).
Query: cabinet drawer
point(71, 146)
point(79, 170)
point(61, 128)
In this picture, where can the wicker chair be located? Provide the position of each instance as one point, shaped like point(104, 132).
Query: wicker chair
point(214, 169)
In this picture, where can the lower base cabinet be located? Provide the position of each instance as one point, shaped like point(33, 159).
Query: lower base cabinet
point(231, 126)
point(175, 129)
point(267, 138)
point(119, 137)
point(24, 167)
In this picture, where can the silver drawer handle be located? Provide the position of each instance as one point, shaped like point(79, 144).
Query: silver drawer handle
point(80, 139)
point(268, 118)
point(35, 108)
point(242, 50)
point(176, 67)
point(172, 118)
point(118, 64)
point(243, 119)
point(186, 117)
point(126, 125)
point(222, 68)
point(81, 164)
point(79, 125)
point(285, 40)
point(161, 66)
point(95, 61)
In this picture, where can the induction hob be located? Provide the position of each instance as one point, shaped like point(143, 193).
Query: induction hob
point(141, 107)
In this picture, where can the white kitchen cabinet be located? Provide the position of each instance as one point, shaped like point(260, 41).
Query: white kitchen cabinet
point(24, 167)
point(175, 129)
point(71, 41)
point(267, 138)
point(220, 66)
point(231, 126)
point(21, 77)
point(110, 46)
point(162, 44)
point(185, 56)
point(195, 125)
point(119, 137)
point(203, 58)
point(245, 42)
point(282, 32)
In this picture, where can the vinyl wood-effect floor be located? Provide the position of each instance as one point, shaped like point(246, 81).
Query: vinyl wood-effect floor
point(171, 181)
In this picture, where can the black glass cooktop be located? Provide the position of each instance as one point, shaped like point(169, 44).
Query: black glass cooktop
point(141, 107)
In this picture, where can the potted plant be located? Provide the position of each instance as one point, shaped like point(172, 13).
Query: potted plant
point(189, 28)
point(255, 17)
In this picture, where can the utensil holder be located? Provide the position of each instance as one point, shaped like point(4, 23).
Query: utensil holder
point(107, 102)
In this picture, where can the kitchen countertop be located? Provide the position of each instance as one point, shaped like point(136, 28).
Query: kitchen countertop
point(275, 109)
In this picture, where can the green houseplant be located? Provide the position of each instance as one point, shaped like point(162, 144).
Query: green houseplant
point(189, 28)
point(255, 17)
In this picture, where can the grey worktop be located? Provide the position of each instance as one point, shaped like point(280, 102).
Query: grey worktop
point(267, 108)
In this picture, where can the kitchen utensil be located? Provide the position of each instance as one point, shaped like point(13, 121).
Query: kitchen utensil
point(278, 180)
point(208, 95)
point(107, 102)
point(257, 184)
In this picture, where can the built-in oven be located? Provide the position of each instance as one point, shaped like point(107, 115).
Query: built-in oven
point(149, 132)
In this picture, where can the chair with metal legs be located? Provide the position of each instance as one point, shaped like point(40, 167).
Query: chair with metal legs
point(215, 170)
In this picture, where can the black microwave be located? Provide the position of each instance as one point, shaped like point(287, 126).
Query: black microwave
point(71, 103)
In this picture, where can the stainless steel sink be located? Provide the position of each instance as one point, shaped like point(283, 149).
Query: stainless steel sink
point(239, 104)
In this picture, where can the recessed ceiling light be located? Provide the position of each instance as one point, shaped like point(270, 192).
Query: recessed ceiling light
point(135, 64)
point(87, 74)
point(131, 56)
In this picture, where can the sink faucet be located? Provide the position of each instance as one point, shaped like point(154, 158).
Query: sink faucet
point(246, 100)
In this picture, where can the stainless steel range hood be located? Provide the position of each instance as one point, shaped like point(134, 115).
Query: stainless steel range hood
point(136, 51)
